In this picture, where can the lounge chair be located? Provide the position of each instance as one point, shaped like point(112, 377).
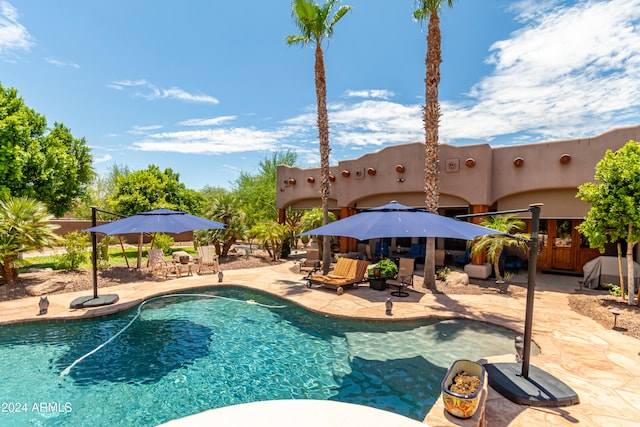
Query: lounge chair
point(405, 277)
point(347, 272)
point(207, 259)
point(159, 265)
point(311, 264)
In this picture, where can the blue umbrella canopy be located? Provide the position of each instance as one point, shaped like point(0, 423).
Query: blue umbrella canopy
point(397, 220)
point(157, 221)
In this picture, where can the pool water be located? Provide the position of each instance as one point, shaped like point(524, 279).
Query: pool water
point(185, 354)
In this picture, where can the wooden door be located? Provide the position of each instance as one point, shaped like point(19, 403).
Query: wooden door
point(562, 244)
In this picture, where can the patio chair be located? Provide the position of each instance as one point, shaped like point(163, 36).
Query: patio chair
point(417, 251)
point(311, 264)
point(405, 277)
point(463, 260)
point(207, 259)
point(159, 265)
point(382, 249)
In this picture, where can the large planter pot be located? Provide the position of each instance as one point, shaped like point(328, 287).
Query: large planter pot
point(459, 405)
point(379, 284)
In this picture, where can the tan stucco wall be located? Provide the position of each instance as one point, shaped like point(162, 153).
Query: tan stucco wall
point(493, 178)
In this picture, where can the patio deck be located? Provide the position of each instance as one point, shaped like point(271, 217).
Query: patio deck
point(600, 364)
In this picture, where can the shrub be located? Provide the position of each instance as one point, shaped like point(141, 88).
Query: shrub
point(615, 290)
point(164, 242)
point(75, 244)
point(442, 274)
point(388, 268)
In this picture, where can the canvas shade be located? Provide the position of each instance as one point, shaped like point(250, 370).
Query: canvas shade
point(157, 221)
point(397, 220)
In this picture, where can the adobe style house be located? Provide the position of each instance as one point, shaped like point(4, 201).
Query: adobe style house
point(473, 179)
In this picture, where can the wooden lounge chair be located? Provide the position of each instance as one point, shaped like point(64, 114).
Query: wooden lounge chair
point(347, 272)
point(207, 259)
point(405, 277)
point(159, 265)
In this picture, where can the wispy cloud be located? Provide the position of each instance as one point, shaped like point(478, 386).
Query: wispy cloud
point(143, 130)
point(102, 159)
point(62, 64)
point(214, 141)
point(212, 121)
point(371, 93)
point(151, 92)
point(568, 68)
point(14, 37)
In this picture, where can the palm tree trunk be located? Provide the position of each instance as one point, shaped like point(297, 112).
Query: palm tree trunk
point(496, 266)
point(431, 118)
point(323, 133)
point(7, 269)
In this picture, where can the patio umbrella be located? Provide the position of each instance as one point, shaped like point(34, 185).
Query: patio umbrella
point(397, 220)
point(157, 221)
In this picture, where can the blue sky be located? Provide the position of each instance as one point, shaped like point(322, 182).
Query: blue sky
point(209, 88)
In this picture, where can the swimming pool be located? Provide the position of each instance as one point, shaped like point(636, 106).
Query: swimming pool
point(187, 354)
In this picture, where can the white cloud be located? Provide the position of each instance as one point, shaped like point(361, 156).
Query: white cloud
point(568, 68)
point(14, 37)
point(143, 130)
point(102, 159)
point(371, 93)
point(151, 92)
point(212, 121)
point(214, 141)
point(62, 64)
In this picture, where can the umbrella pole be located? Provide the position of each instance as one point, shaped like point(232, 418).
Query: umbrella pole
point(94, 255)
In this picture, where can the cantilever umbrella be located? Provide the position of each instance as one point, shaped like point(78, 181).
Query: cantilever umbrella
point(397, 220)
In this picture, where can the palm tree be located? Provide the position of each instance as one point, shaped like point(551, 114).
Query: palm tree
point(495, 244)
point(428, 9)
point(24, 226)
point(316, 23)
point(225, 209)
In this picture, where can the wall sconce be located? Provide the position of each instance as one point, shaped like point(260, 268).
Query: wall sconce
point(311, 180)
point(346, 173)
point(292, 181)
point(565, 159)
point(332, 178)
point(470, 162)
point(371, 171)
point(518, 162)
point(400, 168)
point(400, 179)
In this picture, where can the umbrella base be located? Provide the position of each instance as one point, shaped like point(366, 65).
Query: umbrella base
point(540, 389)
point(88, 302)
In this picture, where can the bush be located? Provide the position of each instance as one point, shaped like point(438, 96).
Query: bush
point(76, 244)
point(615, 290)
point(388, 268)
point(164, 242)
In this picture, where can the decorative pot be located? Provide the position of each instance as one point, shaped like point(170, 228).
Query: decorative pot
point(458, 405)
point(379, 284)
point(184, 259)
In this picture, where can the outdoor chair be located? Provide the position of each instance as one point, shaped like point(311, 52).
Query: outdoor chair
point(463, 260)
point(417, 251)
point(382, 249)
point(311, 264)
point(159, 265)
point(347, 272)
point(405, 277)
point(207, 259)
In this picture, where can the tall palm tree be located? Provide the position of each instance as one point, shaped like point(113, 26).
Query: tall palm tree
point(428, 9)
point(24, 226)
point(316, 23)
point(493, 245)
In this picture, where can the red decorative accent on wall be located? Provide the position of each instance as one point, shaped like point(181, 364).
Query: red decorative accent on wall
point(292, 181)
point(332, 178)
point(311, 180)
point(400, 168)
point(518, 162)
point(371, 171)
point(470, 162)
point(346, 173)
point(565, 159)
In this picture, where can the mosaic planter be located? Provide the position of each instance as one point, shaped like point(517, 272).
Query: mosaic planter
point(458, 405)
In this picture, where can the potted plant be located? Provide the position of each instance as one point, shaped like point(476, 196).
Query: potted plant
point(380, 272)
point(461, 388)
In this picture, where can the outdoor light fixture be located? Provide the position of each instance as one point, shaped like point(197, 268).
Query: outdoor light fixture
point(292, 181)
point(332, 178)
point(565, 159)
point(371, 171)
point(400, 168)
point(470, 162)
point(400, 180)
point(518, 162)
point(220, 276)
point(346, 173)
point(388, 306)
point(43, 305)
point(311, 180)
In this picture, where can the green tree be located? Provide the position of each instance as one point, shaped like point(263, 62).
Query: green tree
point(493, 245)
point(428, 9)
point(149, 189)
point(24, 226)
point(76, 244)
point(48, 165)
point(314, 218)
point(225, 209)
point(316, 24)
point(101, 191)
point(272, 235)
point(257, 192)
point(614, 214)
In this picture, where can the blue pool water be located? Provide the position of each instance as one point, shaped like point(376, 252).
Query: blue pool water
point(185, 354)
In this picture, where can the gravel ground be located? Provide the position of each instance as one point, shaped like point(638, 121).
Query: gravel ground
point(594, 305)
